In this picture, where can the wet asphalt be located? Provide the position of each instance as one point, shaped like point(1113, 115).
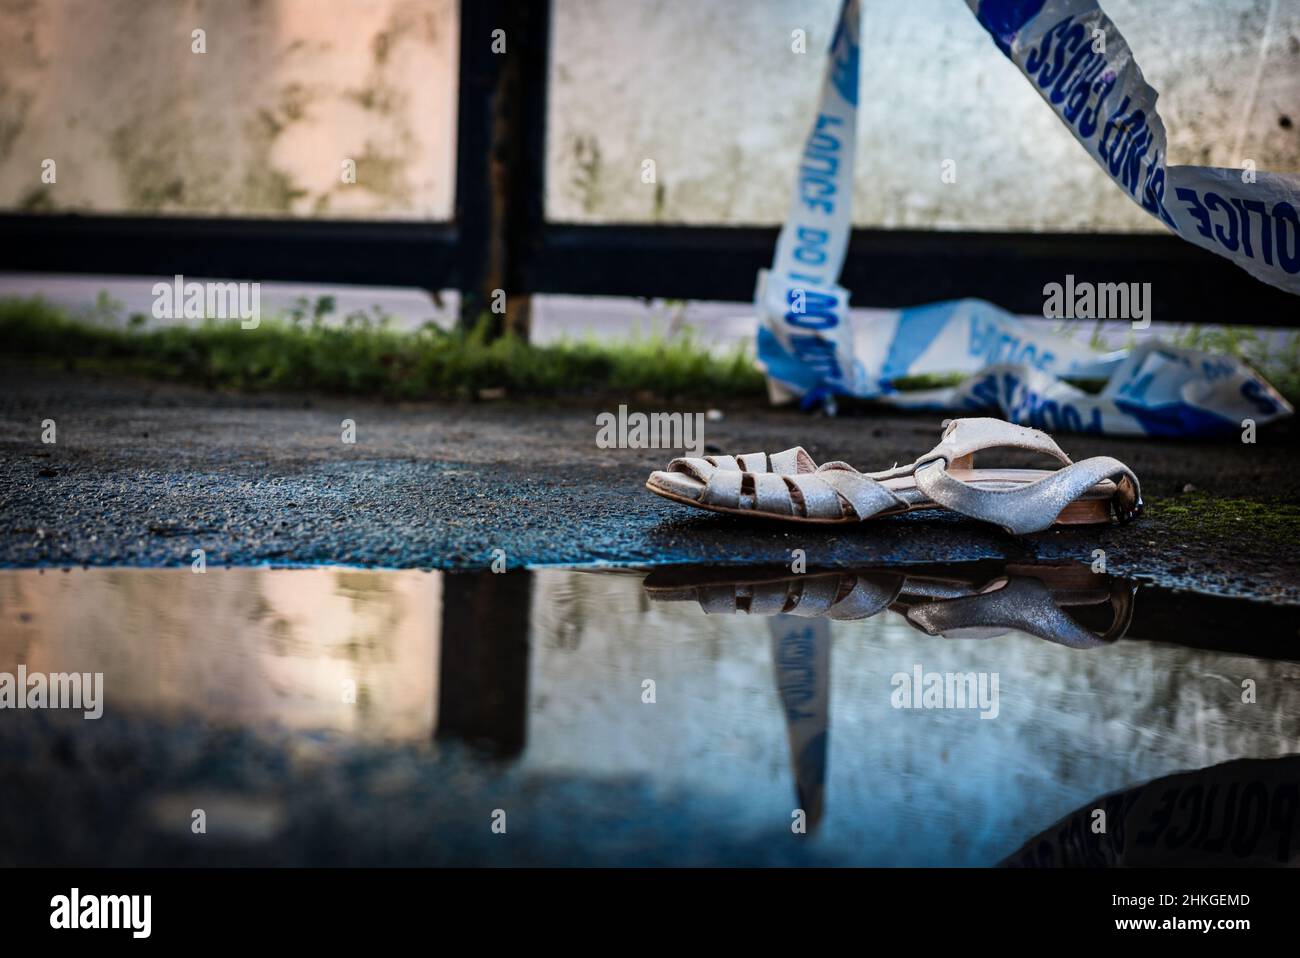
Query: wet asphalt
point(143, 474)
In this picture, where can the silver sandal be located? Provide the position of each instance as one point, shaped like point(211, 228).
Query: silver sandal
point(789, 485)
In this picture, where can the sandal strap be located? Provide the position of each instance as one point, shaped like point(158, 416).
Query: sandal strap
point(962, 438)
point(723, 488)
point(811, 596)
point(788, 462)
point(1024, 604)
point(867, 497)
point(820, 500)
point(693, 466)
point(793, 461)
point(772, 495)
point(816, 596)
point(825, 494)
point(769, 598)
point(1034, 506)
point(871, 595)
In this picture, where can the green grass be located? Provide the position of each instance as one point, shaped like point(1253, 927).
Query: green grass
point(364, 356)
point(1279, 362)
point(1276, 358)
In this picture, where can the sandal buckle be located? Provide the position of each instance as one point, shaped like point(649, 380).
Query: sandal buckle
point(1125, 516)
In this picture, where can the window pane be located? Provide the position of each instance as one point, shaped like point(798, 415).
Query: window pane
point(262, 123)
point(712, 92)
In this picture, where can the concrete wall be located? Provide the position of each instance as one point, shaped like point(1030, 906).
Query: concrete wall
point(239, 646)
point(259, 124)
point(288, 89)
point(713, 94)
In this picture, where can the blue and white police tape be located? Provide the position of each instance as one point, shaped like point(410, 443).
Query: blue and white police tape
point(812, 347)
point(1080, 64)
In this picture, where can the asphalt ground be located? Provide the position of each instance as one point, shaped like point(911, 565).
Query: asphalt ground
point(142, 474)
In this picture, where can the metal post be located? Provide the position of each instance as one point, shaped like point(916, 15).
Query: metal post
point(500, 155)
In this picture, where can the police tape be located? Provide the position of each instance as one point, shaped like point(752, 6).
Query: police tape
point(1080, 64)
point(812, 347)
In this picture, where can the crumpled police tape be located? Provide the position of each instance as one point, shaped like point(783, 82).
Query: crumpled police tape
point(812, 347)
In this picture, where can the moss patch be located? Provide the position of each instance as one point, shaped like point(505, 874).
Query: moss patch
point(1198, 515)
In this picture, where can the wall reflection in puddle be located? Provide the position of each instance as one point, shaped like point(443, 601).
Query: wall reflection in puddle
point(239, 646)
point(759, 715)
point(774, 712)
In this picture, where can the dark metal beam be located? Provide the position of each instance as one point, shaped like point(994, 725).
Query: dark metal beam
point(500, 152)
point(483, 660)
point(908, 267)
point(321, 251)
point(884, 268)
point(500, 239)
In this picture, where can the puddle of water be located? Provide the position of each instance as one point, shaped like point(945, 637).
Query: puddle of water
point(965, 715)
point(243, 646)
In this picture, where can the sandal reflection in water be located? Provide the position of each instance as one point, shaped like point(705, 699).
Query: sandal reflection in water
point(955, 602)
point(1060, 604)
